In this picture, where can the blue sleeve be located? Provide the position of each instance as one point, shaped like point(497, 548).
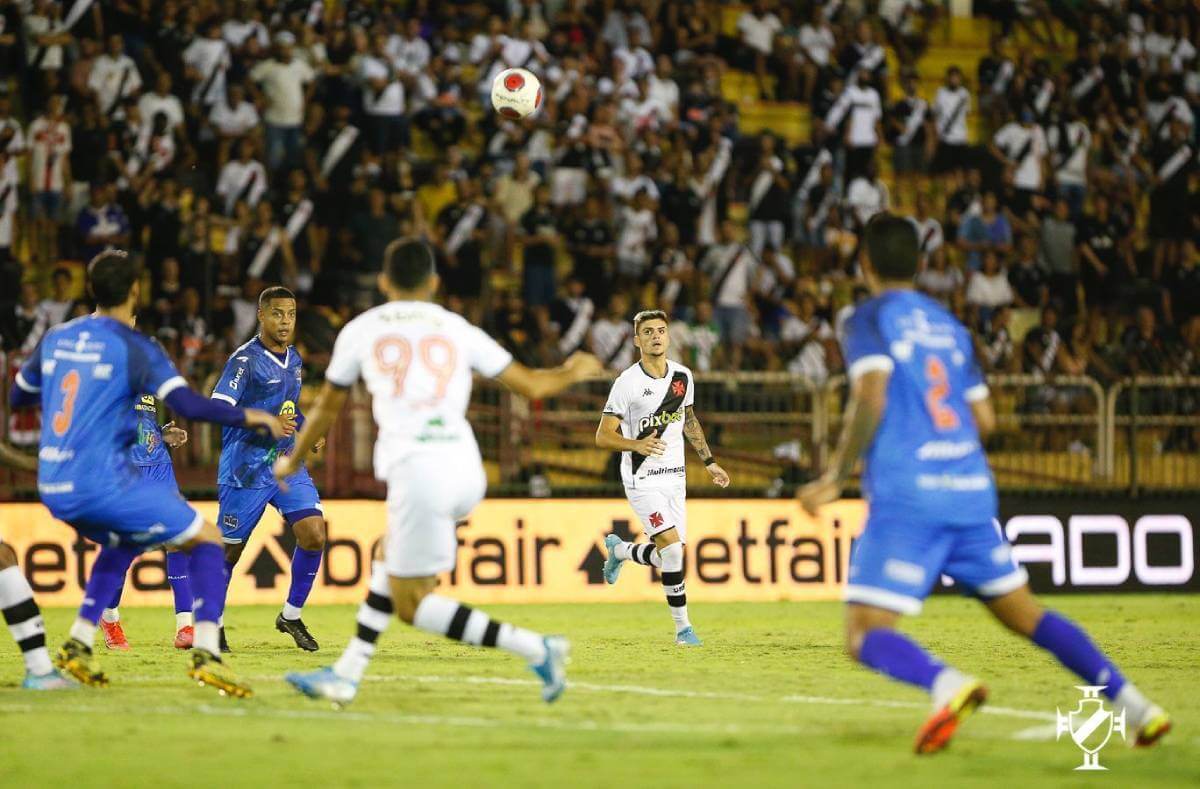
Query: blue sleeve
point(234, 379)
point(29, 378)
point(864, 347)
point(191, 405)
point(150, 370)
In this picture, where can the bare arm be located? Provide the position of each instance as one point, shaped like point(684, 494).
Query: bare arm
point(695, 437)
point(536, 384)
point(868, 394)
point(316, 425)
point(985, 417)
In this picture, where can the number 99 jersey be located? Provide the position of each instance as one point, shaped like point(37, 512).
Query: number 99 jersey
point(417, 359)
point(926, 463)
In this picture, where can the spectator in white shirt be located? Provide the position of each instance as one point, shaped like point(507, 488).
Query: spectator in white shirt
point(731, 271)
point(232, 117)
point(58, 307)
point(206, 61)
point(1070, 144)
point(410, 52)
point(114, 77)
point(758, 28)
point(383, 97)
point(1022, 149)
point(162, 101)
point(951, 108)
point(862, 110)
point(242, 180)
point(286, 84)
point(989, 288)
point(867, 195)
point(49, 173)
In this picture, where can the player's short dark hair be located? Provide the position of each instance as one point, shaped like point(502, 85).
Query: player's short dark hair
point(272, 293)
point(408, 263)
point(648, 315)
point(111, 275)
point(892, 246)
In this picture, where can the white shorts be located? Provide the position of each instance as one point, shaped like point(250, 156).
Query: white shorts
point(428, 493)
point(660, 510)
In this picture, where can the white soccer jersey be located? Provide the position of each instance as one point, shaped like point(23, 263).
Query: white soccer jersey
point(648, 405)
point(416, 359)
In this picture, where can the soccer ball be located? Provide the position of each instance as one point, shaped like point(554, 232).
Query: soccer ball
point(516, 93)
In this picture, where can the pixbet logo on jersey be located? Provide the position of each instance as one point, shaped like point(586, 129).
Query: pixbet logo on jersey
point(659, 420)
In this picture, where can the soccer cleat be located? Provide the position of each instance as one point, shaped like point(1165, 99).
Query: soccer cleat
point(225, 650)
point(324, 684)
point(51, 680)
point(207, 669)
point(936, 732)
point(1156, 724)
point(76, 659)
point(114, 636)
point(612, 565)
point(299, 633)
point(184, 637)
point(688, 638)
point(552, 671)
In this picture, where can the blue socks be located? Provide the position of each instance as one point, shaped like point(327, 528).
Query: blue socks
point(177, 576)
point(304, 573)
point(1066, 641)
point(206, 572)
point(108, 576)
point(899, 657)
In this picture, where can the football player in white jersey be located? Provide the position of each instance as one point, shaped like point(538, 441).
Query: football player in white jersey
point(649, 411)
point(416, 359)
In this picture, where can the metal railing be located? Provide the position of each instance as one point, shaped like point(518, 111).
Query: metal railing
point(771, 431)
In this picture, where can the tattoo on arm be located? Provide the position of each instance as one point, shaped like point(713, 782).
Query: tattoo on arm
point(857, 431)
point(695, 434)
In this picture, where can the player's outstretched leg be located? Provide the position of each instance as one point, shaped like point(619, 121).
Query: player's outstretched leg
point(24, 620)
point(306, 561)
point(206, 572)
point(181, 589)
point(1020, 612)
point(872, 641)
point(676, 593)
point(620, 552)
point(110, 623)
point(75, 657)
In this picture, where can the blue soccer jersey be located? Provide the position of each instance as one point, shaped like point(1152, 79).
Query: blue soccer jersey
point(254, 377)
point(91, 371)
point(926, 462)
point(149, 449)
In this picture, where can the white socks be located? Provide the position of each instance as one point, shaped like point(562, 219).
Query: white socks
point(1135, 704)
point(948, 682)
point(374, 615)
point(291, 612)
point(638, 552)
point(673, 585)
point(207, 636)
point(24, 620)
point(111, 615)
point(450, 618)
point(84, 631)
point(183, 619)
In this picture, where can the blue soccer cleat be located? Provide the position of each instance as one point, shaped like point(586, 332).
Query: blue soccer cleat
point(324, 684)
point(612, 565)
point(51, 680)
point(553, 670)
point(688, 638)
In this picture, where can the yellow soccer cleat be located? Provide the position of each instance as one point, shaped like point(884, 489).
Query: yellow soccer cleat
point(1157, 724)
point(207, 669)
point(76, 658)
point(935, 734)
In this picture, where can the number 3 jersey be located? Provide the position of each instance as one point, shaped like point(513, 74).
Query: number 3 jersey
point(926, 463)
point(416, 359)
point(647, 405)
point(254, 377)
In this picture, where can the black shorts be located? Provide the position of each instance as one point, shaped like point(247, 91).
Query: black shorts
point(908, 158)
point(1169, 219)
point(1020, 201)
point(951, 157)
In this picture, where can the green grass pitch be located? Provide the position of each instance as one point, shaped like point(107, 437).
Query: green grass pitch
point(769, 701)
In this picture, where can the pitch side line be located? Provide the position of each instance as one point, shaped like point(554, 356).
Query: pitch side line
point(1008, 712)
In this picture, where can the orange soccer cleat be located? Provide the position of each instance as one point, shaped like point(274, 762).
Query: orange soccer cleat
point(936, 732)
point(114, 636)
point(183, 638)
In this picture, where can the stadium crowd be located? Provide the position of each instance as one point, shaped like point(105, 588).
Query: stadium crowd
point(241, 142)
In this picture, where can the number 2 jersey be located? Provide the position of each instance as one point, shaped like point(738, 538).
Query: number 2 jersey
point(647, 405)
point(416, 359)
point(91, 372)
point(254, 377)
point(926, 463)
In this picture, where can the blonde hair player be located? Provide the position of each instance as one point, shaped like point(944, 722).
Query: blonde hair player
point(648, 413)
point(417, 359)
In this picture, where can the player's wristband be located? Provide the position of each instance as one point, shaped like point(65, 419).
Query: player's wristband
point(712, 461)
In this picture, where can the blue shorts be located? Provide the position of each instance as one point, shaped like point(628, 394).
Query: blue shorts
point(895, 563)
point(241, 508)
point(145, 514)
point(160, 472)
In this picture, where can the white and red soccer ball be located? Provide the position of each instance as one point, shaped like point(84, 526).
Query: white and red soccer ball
point(516, 93)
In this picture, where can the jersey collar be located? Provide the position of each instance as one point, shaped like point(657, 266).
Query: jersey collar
point(287, 355)
point(654, 377)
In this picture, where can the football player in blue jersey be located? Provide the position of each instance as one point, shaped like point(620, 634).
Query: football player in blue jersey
point(919, 410)
point(265, 373)
point(20, 611)
point(152, 459)
point(87, 374)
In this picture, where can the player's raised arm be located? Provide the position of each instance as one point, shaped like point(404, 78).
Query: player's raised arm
point(539, 383)
point(329, 404)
